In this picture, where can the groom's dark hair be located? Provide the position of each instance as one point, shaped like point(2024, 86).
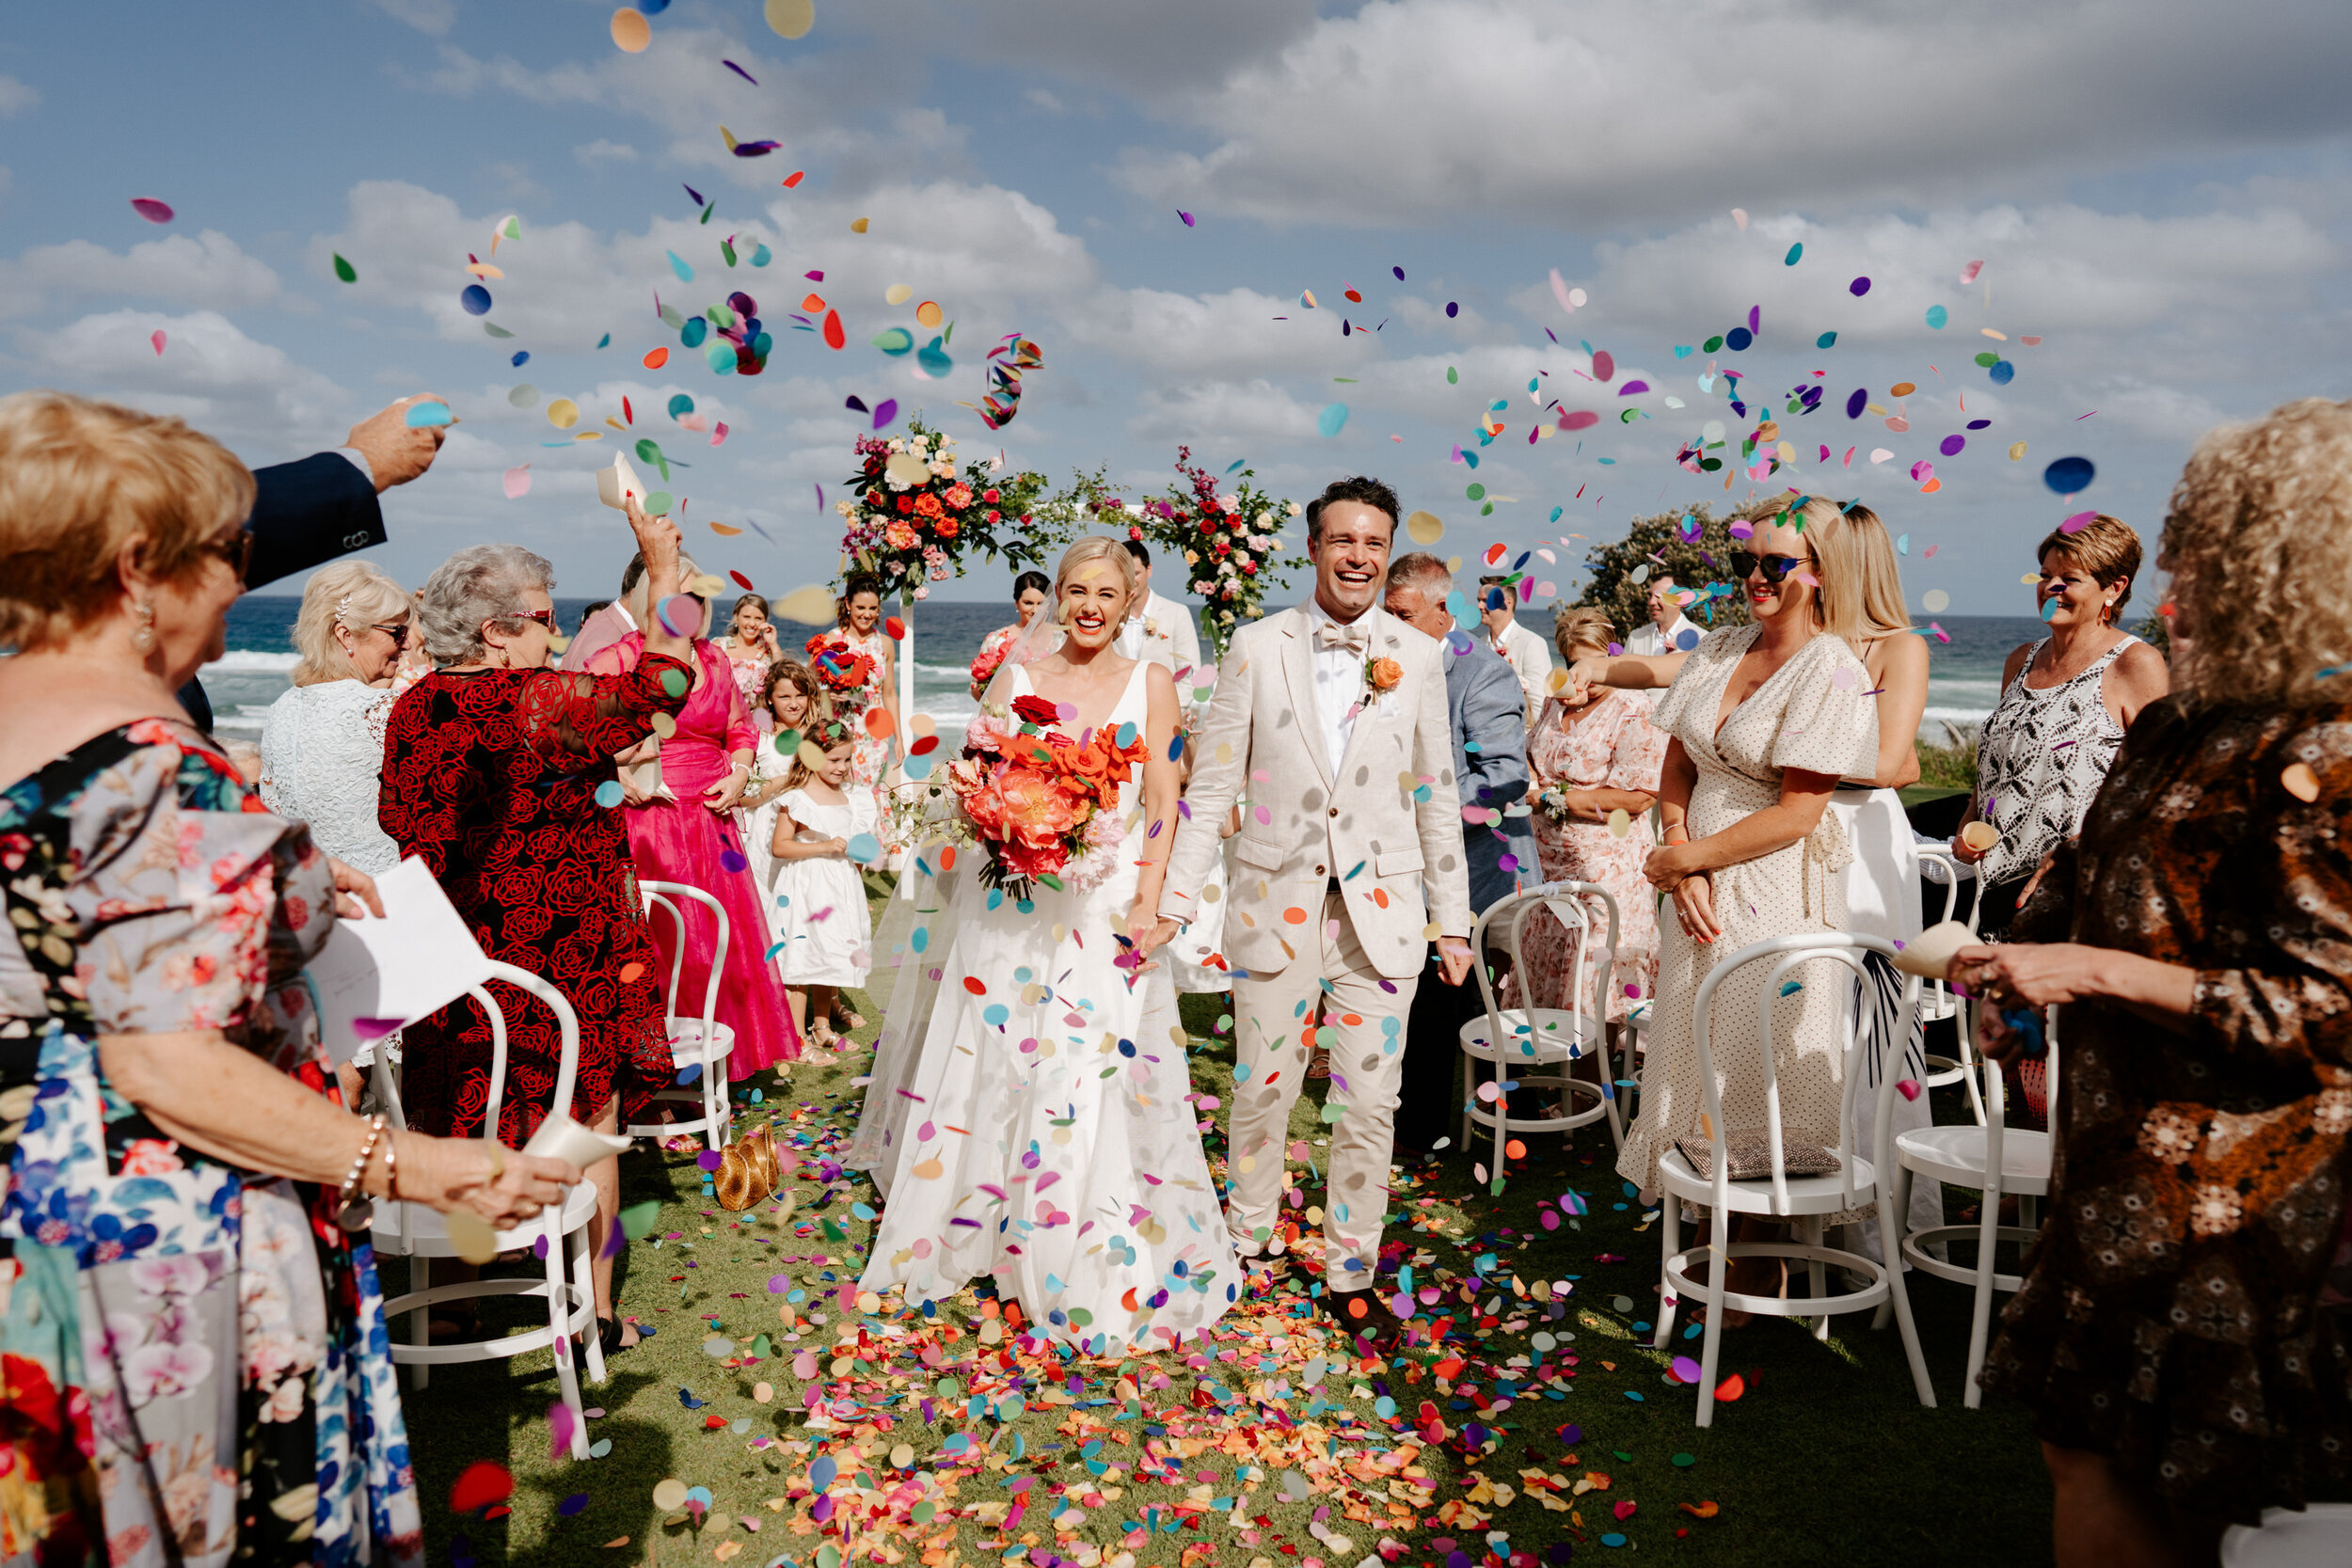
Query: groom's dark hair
point(1358, 487)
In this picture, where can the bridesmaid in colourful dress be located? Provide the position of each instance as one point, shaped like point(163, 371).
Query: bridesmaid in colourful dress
point(750, 645)
point(1588, 760)
point(1030, 591)
point(685, 832)
point(857, 625)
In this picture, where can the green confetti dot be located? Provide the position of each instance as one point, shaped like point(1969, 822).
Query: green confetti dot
point(673, 682)
point(1476, 491)
point(1685, 1461)
point(345, 271)
point(1453, 376)
point(638, 1218)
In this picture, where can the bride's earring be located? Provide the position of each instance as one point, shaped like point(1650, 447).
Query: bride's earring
point(143, 635)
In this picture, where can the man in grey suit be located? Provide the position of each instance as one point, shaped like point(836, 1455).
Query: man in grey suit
point(1486, 707)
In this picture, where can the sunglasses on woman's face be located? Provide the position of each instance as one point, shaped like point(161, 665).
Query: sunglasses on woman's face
point(236, 549)
point(1743, 564)
point(396, 630)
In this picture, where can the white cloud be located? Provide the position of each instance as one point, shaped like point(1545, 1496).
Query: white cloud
point(434, 17)
point(1545, 112)
point(602, 151)
point(249, 394)
point(1220, 415)
point(209, 270)
point(17, 98)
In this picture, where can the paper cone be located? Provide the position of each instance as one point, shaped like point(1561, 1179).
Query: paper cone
point(1929, 954)
point(617, 485)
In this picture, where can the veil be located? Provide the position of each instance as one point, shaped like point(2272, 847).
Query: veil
point(917, 933)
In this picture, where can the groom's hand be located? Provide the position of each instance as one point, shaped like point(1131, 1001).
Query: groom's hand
point(1455, 953)
point(1159, 936)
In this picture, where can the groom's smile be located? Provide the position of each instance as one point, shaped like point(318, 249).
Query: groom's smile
point(1351, 555)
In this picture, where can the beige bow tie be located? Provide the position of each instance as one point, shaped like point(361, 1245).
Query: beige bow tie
point(1354, 638)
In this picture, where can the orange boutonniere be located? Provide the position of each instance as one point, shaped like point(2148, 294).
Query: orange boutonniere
point(1382, 675)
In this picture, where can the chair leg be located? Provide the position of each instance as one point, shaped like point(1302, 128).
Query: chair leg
point(1712, 1292)
point(1670, 1232)
point(560, 1328)
point(1816, 1277)
point(584, 1281)
point(1980, 1312)
point(1901, 1298)
point(421, 1320)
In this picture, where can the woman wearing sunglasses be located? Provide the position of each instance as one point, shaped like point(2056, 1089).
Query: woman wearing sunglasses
point(492, 768)
point(323, 743)
point(1881, 883)
point(1763, 719)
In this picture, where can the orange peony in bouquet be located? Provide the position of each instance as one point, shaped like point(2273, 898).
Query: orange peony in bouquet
point(1044, 805)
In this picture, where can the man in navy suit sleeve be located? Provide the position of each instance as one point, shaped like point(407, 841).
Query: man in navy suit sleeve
point(307, 513)
point(1487, 709)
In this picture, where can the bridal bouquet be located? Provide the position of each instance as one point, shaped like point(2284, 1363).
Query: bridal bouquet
point(1042, 806)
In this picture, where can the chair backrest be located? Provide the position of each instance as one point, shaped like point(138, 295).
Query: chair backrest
point(1950, 879)
point(663, 895)
point(1515, 908)
point(1786, 954)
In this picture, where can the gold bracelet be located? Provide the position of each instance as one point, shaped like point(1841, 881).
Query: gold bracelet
point(353, 1213)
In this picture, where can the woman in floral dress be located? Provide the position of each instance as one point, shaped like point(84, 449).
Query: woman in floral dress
point(2170, 1336)
point(1589, 761)
point(857, 626)
point(193, 1349)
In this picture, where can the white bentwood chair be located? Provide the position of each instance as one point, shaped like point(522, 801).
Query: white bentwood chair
point(1999, 1161)
point(1938, 1002)
point(704, 1042)
point(559, 1234)
point(1805, 1199)
point(1514, 1039)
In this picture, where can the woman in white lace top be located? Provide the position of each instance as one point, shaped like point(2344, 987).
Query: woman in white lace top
point(323, 743)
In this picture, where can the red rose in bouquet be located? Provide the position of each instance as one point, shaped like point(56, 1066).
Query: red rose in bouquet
point(1036, 710)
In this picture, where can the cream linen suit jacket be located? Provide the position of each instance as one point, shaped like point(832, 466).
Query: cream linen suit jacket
point(1313, 816)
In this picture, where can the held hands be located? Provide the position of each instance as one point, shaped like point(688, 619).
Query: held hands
point(1454, 957)
point(396, 451)
point(1150, 938)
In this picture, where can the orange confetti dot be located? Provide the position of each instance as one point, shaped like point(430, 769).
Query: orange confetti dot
point(947, 858)
point(977, 986)
point(1380, 896)
point(1901, 389)
point(1296, 915)
point(657, 359)
point(2300, 781)
point(895, 628)
point(794, 178)
point(1731, 1387)
point(878, 722)
point(1351, 1017)
point(1515, 1150)
point(813, 304)
point(630, 973)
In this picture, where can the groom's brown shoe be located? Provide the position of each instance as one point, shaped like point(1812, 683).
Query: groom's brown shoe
point(1360, 1313)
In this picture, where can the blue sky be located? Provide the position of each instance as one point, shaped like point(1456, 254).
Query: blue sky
point(2159, 190)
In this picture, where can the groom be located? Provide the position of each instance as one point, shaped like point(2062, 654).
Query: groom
point(1329, 726)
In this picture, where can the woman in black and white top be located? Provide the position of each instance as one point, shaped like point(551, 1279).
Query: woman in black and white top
point(2065, 704)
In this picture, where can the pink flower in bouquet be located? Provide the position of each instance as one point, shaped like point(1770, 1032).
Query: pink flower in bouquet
point(957, 496)
point(985, 735)
point(899, 536)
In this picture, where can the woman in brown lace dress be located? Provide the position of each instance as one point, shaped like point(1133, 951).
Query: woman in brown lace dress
point(2168, 1334)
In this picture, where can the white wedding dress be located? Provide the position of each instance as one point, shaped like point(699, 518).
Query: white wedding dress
point(1036, 1135)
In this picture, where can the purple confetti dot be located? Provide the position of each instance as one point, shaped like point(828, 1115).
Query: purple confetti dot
point(732, 860)
point(1951, 444)
point(1859, 286)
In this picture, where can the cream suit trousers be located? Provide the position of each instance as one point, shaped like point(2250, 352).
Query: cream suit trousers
point(1333, 985)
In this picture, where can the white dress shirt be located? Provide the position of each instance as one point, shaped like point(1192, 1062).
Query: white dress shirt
point(1164, 634)
point(1648, 641)
point(1529, 659)
point(1339, 680)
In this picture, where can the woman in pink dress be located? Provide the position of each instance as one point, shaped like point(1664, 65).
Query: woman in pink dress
point(1588, 762)
point(685, 832)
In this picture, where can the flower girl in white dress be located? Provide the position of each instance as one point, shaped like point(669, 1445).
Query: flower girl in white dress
point(827, 934)
point(1031, 1132)
point(792, 699)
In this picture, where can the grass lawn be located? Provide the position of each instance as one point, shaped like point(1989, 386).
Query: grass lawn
point(1266, 1447)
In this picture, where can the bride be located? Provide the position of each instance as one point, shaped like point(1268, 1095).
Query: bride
point(1019, 1123)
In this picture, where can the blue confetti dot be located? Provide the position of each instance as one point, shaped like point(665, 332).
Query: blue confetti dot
point(476, 300)
point(608, 793)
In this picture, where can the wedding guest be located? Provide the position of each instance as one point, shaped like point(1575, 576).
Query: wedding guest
point(166, 1329)
point(310, 512)
point(605, 625)
point(857, 625)
point(323, 742)
point(827, 935)
point(491, 767)
point(795, 704)
point(1528, 654)
point(1594, 757)
point(2066, 702)
point(1663, 633)
point(589, 611)
point(1159, 628)
point(1860, 589)
point(2167, 1336)
point(1030, 591)
point(1762, 720)
point(1484, 703)
point(685, 831)
point(750, 645)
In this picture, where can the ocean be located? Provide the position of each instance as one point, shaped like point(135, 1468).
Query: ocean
point(1963, 676)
